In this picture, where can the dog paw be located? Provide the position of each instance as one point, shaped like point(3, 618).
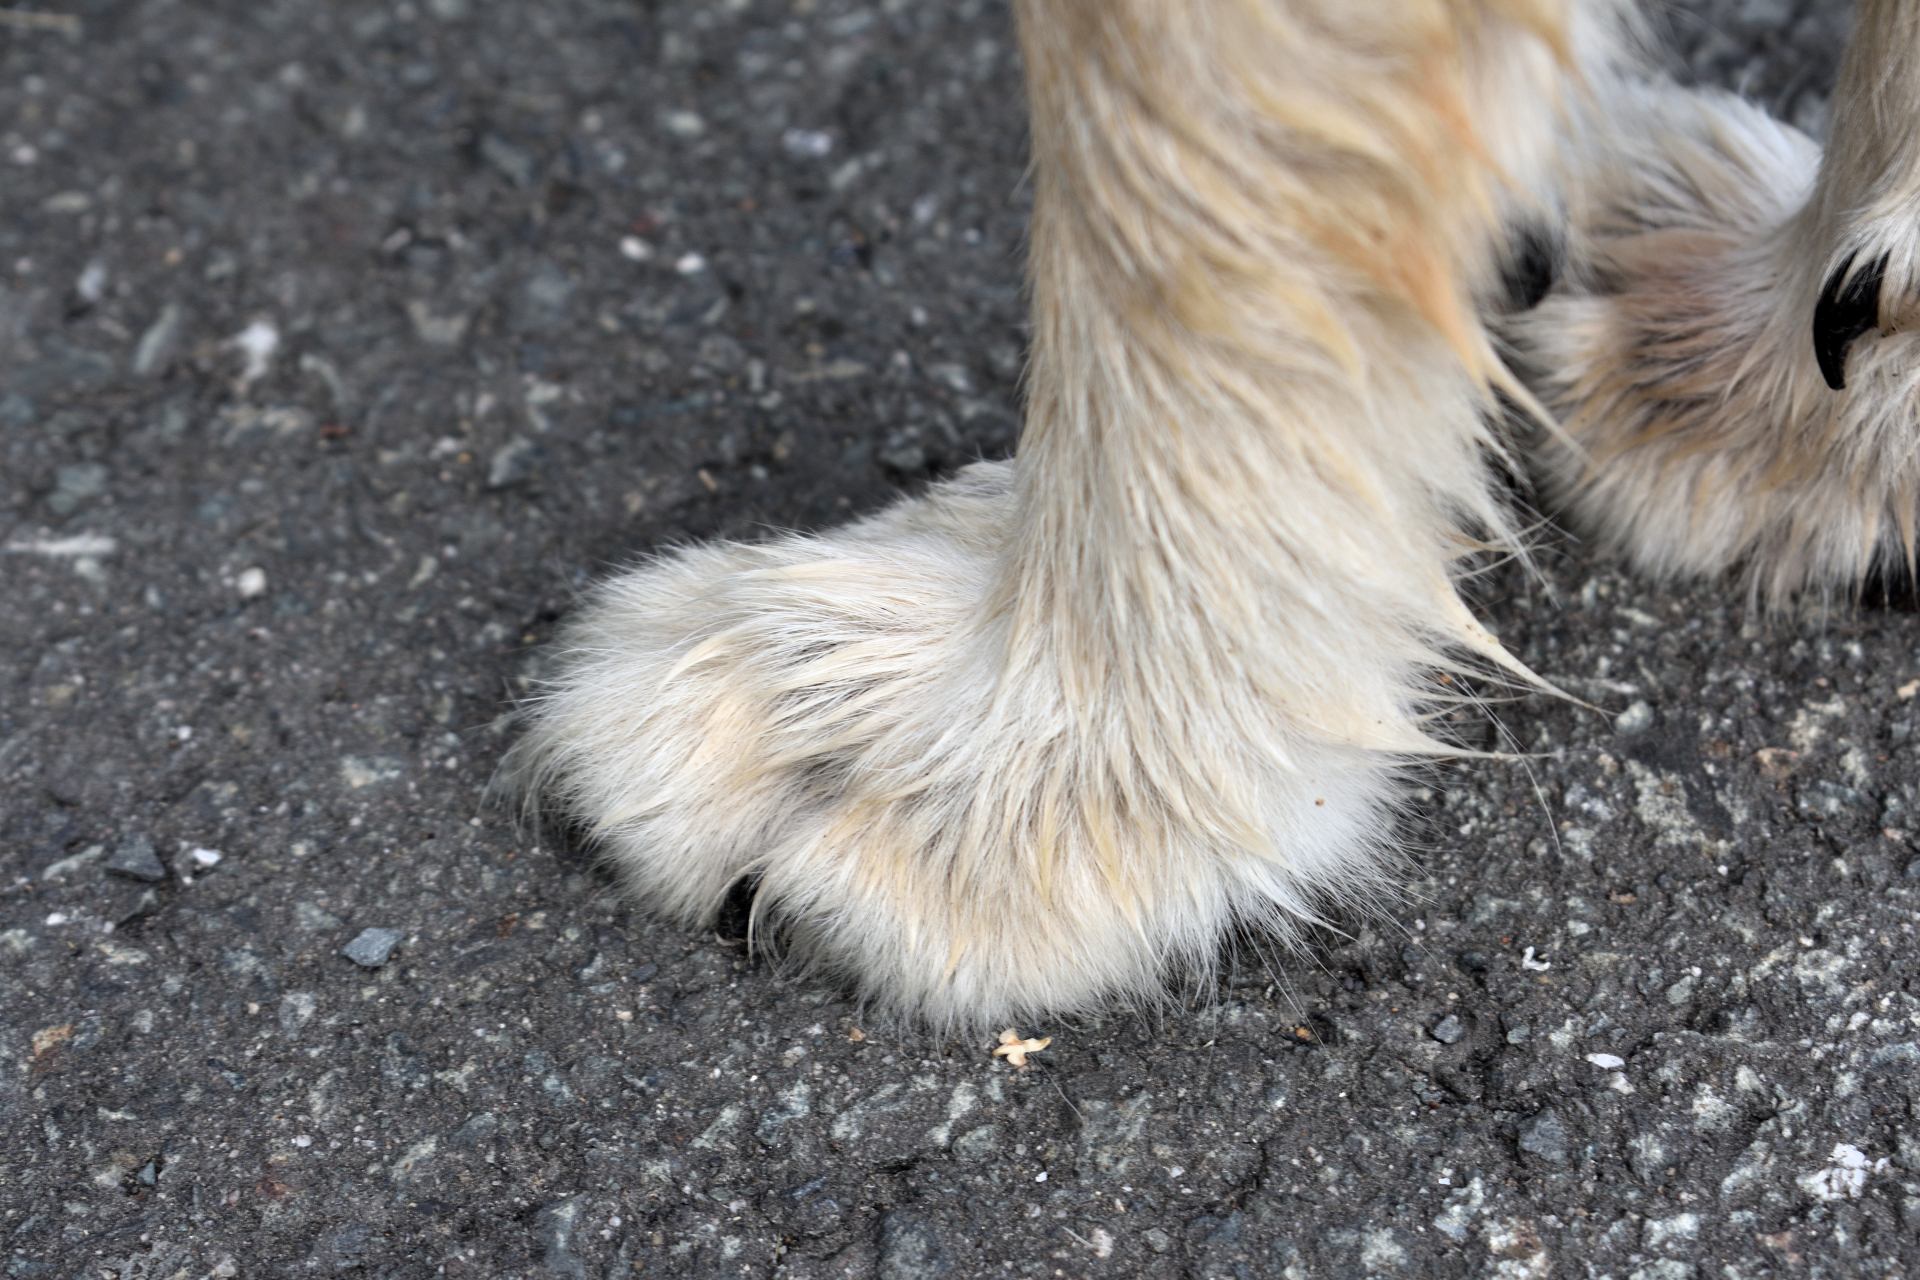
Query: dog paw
point(922, 800)
point(1729, 398)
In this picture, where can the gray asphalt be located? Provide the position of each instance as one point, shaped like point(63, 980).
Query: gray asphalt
point(341, 344)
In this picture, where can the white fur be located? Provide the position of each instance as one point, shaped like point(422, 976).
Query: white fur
point(835, 715)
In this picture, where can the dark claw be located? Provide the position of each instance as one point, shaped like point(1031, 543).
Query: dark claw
point(1847, 309)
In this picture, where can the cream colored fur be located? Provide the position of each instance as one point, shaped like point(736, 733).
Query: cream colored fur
point(1036, 741)
point(1700, 434)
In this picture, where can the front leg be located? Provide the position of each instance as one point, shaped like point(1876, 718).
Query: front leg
point(1041, 739)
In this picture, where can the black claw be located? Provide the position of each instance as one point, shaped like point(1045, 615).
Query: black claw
point(736, 909)
point(1847, 309)
point(1533, 266)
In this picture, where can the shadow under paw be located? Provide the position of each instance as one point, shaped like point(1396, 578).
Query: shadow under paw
point(734, 921)
point(1890, 584)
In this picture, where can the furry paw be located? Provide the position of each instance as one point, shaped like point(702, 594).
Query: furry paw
point(864, 722)
point(1726, 358)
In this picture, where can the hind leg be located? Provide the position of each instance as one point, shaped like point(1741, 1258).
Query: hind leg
point(1731, 350)
point(1039, 739)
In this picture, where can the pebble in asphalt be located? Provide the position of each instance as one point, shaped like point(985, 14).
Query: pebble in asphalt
point(343, 344)
point(372, 948)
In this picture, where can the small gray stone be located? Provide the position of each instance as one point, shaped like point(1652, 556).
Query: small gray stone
point(1449, 1030)
point(136, 860)
point(1158, 1240)
point(954, 376)
point(685, 125)
point(512, 462)
point(75, 485)
point(371, 949)
point(1636, 719)
point(67, 866)
point(1544, 1134)
point(434, 328)
point(154, 352)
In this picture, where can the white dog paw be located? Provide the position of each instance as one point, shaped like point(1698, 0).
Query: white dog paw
point(927, 810)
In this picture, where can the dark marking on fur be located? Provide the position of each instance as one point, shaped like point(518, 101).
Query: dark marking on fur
point(735, 917)
point(1847, 309)
point(1533, 265)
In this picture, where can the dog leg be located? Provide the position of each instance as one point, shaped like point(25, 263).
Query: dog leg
point(1731, 351)
point(1038, 740)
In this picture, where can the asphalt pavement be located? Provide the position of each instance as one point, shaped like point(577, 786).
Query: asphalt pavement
point(342, 344)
